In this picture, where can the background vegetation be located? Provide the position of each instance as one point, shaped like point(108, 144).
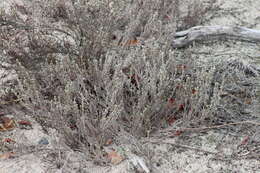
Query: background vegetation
point(100, 70)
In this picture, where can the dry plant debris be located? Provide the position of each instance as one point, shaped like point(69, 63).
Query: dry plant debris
point(6, 123)
point(7, 155)
point(114, 157)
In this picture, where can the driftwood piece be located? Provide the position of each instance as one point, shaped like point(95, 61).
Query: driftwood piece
point(203, 33)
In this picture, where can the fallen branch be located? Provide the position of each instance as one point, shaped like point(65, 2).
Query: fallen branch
point(219, 156)
point(202, 33)
point(180, 145)
point(200, 129)
point(219, 126)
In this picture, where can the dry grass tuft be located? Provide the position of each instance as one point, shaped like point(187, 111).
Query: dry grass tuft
point(72, 77)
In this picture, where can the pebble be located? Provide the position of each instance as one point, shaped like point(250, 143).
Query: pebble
point(43, 141)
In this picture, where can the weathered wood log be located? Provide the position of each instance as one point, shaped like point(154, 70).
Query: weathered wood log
point(203, 33)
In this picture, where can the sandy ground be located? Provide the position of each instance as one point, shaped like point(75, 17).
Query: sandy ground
point(213, 151)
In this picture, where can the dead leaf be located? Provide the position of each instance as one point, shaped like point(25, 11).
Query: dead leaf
point(8, 140)
point(6, 124)
point(132, 42)
point(181, 67)
point(25, 123)
point(7, 155)
point(166, 17)
point(177, 133)
point(171, 120)
point(245, 140)
point(179, 86)
point(171, 101)
point(114, 157)
point(109, 141)
point(181, 107)
point(248, 101)
point(126, 70)
point(193, 91)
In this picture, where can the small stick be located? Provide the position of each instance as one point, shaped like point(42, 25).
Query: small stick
point(219, 126)
point(183, 146)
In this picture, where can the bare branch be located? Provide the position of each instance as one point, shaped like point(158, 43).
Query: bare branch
point(202, 33)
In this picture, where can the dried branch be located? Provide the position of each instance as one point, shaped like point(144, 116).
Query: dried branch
point(202, 33)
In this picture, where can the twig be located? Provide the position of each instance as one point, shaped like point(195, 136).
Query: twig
point(211, 127)
point(203, 33)
point(11, 101)
point(182, 146)
point(219, 126)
